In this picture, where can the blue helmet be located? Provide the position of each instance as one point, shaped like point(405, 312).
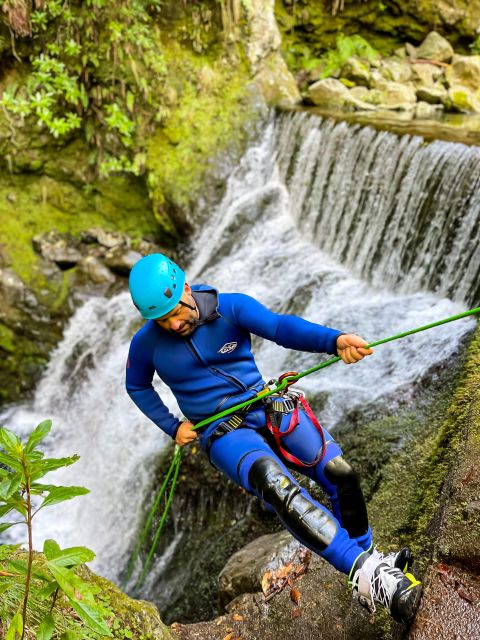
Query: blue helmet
point(156, 285)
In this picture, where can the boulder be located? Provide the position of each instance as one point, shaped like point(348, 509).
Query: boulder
point(464, 70)
point(329, 93)
point(357, 71)
point(96, 271)
point(244, 571)
point(463, 100)
point(434, 94)
point(121, 261)
point(57, 248)
point(396, 70)
point(276, 83)
point(396, 96)
point(435, 47)
point(108, 239)
point(13, 291)
point(424, 110)
point(425, 73)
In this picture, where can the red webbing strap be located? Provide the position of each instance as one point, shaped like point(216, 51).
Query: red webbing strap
point(278, 435)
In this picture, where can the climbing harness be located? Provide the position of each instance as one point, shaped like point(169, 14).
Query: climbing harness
point(274, 387)
point(277, 408)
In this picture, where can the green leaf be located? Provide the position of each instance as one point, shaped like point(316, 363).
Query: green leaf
point(4, 509)
point(38, 434)
point(10, 485)
point(46, 591)
point(51, 549)
point(21, 568)
point(10, 442)
point(72, 556)
point(42, 467)
point(70, 584)
point(46, 629)
point(60, 494)
point(6, 586)
point(10, 461)
point(16, 627)
point(6, 525)
point(92, 617)
point(15, 502)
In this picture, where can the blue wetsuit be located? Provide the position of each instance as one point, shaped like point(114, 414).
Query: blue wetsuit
point(213, 369)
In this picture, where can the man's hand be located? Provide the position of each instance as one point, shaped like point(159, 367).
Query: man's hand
point(185, 434)
point(349, 348)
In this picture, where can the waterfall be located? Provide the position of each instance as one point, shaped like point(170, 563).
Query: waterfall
point(352, 228)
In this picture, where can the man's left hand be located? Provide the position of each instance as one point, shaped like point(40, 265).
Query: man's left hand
point(350, 348)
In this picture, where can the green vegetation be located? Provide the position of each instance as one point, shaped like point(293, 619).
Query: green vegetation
point(21, 493)
point(70, 88)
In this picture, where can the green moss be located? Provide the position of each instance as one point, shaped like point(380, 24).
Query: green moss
point(214, 106)
point(31, 205)
point(7, 336)
point(406, 505)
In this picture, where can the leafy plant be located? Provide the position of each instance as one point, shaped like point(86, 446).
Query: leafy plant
point(346, 47)
point(97, 68)
point(22, 466)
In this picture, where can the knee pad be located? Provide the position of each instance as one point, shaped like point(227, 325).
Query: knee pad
point(353, 510)
point(312, 524)
point(340, 473)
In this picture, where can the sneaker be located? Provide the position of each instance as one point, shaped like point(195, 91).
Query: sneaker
point(376, 581)
point(402, 559)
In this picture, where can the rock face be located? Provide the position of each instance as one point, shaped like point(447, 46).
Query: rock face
point(244, 571)
point(435, 47)
point(464, 71)
point(400, 82)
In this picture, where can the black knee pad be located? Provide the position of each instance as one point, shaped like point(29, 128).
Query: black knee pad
point(313, 526)
point(350, 496)
point(340, 473)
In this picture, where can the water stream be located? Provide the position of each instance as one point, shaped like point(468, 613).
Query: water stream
point(356, 229)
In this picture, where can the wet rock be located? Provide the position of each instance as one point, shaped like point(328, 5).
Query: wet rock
point(435, 47)
point(264, 33)
point(425, 73)
point(424, 110)
point(57, 248)
point(450, 606)
point(463, 100)
point(13, 291)
point(276, 83)
point(96, 271)
point(434, 94)
point(396, 71)
point(108, 239)
point(465, 71)
point(121, 261)
point(396, 96)
point(411, 51)
point(357, 71)
point(243, 572)
point(329, 93)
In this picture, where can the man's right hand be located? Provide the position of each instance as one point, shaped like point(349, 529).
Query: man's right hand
point(185, 434)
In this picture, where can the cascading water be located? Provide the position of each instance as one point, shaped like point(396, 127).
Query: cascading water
point(345, 226)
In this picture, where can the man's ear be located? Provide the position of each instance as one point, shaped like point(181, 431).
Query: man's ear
point(187, 288)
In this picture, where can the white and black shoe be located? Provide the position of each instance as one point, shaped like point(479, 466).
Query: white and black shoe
point(375, 579)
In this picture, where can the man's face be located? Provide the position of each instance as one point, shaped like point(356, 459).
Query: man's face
point(181, 320)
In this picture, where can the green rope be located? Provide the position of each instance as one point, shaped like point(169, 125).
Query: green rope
point(175, 464)
point(279, 386)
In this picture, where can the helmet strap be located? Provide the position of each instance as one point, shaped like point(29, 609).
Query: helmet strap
point(189, 306)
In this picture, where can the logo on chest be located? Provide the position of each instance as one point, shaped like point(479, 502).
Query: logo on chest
point(227, 347)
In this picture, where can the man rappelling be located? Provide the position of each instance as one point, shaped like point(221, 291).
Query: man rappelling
point(199, 343)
